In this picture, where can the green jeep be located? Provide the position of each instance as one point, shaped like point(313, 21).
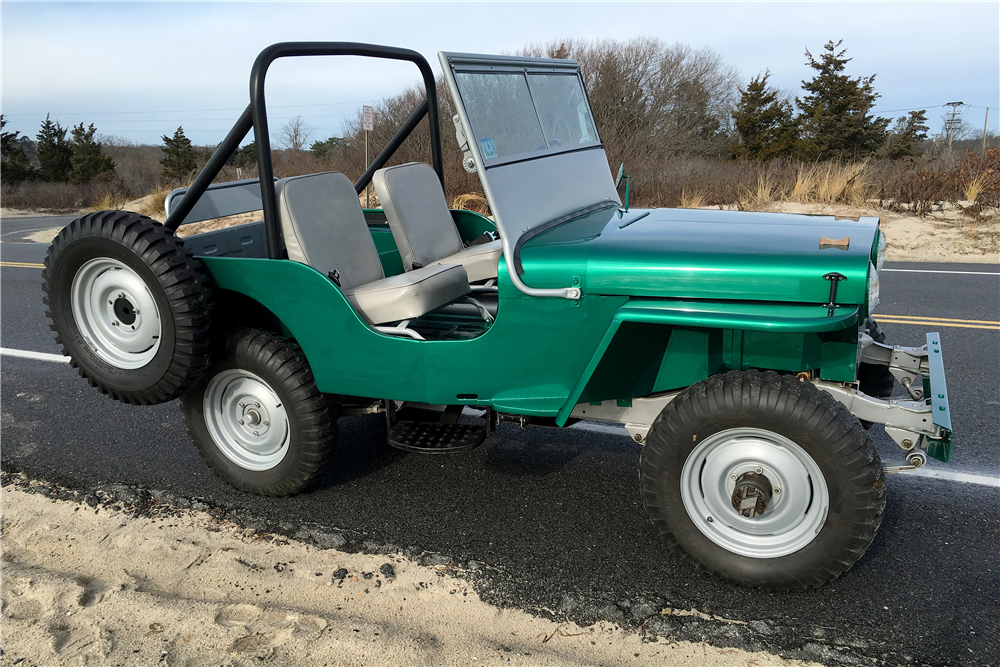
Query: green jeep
point(737, 348)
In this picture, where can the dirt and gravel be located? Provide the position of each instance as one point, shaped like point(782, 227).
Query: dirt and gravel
point(119, 577)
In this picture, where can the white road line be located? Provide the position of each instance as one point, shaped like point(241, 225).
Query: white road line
point(984, 480)
point(40, 356)
point(968, 273)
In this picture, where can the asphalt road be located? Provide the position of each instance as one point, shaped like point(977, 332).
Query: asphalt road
point(555, 515)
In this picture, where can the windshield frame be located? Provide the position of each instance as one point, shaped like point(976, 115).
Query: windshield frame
point(570, 69)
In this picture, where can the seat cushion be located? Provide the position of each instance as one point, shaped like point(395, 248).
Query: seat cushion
point(480, 261)
point(409, 295)
point(417, 213)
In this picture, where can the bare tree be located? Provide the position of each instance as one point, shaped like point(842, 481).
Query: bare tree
point(295, 134)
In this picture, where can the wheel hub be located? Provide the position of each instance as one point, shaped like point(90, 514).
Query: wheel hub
point(754, 492)
point(246, 419)
point(751, 495)
point(124, 310)
point(116, 313)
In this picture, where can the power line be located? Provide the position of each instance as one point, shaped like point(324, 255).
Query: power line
point(108, 113)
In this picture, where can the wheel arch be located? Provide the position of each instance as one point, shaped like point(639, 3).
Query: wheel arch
point(654, 346)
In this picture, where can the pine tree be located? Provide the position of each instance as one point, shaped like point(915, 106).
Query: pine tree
point(246, 157)
point(14, 164)
point(764, 122)
point(325, 149)
point(88, 161)
point(906, 136)
point(179, 158)
point(836, 119)
point(54, 153)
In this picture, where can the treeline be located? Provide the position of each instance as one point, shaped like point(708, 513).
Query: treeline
point(77, 158)
point(684, 122)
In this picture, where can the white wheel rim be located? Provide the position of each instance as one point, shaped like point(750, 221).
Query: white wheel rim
point(246, 420)
point(116, 313)
point(796, 512)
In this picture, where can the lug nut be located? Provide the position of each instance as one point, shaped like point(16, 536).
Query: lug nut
point(709, 519)
point(256, 405)
point(265, 423)
point(732, 477)
point(777, 490)
point(242, 405)
point(759, 471)
point(241, 422)
point(114, 324)
point(255, 433)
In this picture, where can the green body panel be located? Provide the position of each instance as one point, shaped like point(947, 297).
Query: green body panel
point(697, 254)
point(521, 364)
point(687, 341)
point(388, 253)
point(609, 344)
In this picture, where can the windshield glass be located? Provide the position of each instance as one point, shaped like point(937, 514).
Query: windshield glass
point(517, 114)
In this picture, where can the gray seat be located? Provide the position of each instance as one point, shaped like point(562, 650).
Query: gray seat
point(324, 227)
point(422, 225)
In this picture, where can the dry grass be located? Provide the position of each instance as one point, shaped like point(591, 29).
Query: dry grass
point(471, 201)
point(975, 187)
point(757, 197)
point(696, 199)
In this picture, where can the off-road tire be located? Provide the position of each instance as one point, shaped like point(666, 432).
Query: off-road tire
point(312, 429)
point(813, 421)
point(175, 281)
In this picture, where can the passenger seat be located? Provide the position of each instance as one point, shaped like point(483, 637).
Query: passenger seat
point(422, 226)
point(324, 226)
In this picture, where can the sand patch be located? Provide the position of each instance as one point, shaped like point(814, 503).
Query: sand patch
point(103, 587)
point(43, 235)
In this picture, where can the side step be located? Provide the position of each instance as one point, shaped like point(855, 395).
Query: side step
point(436, 437)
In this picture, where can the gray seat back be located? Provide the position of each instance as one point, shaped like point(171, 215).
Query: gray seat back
point(324, 227)
point(417, 213)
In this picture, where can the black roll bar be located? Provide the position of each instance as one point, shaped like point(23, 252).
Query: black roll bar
point(390, 148)
point(255, 117)
point(259, 112)
point(215, 164)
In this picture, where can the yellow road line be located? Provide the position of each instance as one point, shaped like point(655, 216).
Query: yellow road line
point(934, 319)
point(938, 323)
point(23, 265)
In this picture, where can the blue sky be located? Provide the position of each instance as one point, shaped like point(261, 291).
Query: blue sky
point(138, 70)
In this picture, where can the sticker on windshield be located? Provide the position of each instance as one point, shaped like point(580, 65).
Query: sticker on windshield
point(489, 148)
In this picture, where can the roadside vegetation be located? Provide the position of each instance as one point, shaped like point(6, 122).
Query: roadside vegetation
point(690, 130)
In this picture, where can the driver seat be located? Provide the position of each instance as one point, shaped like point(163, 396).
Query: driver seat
point(324, 226)
point(422, 226)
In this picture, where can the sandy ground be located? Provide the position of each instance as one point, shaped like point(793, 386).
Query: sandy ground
point(946, 235)
point(85, 585)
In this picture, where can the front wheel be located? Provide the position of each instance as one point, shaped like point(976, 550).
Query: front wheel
point(257, 417)
point(763, 480)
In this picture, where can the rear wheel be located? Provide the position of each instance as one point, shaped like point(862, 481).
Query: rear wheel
point(257, 417)
point(763, 480)
point(129, 305)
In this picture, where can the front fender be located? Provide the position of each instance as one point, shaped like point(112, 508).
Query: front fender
point(734, 320)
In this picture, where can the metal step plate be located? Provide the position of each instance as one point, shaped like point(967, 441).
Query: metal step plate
point(435, 437)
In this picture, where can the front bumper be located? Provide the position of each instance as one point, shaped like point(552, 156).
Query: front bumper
point(920, 424)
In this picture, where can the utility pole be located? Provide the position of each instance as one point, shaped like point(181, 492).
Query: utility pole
point(984, 129)
point(953, 121)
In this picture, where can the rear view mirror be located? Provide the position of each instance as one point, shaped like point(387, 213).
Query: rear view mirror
point(621, 173)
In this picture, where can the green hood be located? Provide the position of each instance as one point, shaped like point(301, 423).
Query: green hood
point(700, 254)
